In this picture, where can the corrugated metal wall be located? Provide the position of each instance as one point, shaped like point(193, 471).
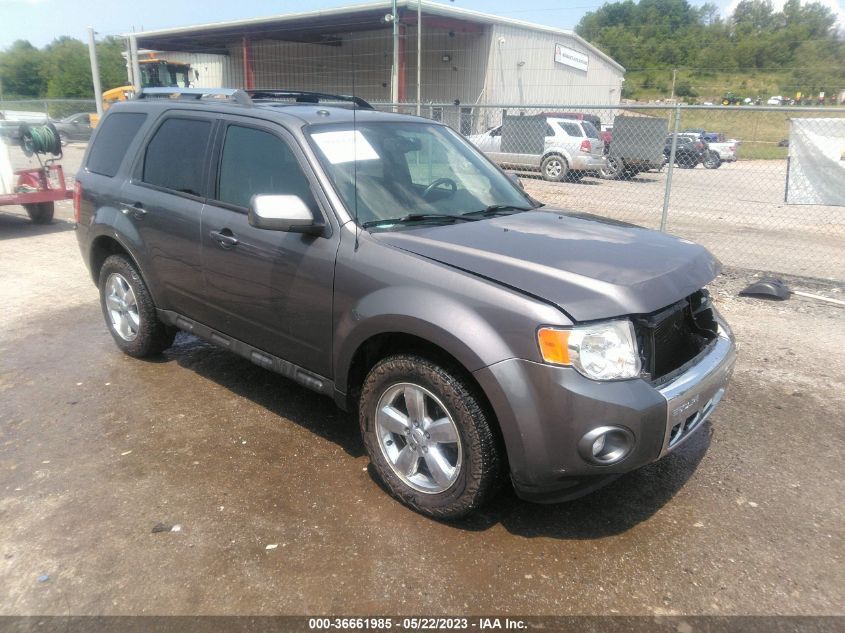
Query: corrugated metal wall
point(497, 64)
point(362, 63)
point(540, 79)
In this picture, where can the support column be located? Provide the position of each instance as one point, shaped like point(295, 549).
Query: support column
point(402, 63)
point(249, 77)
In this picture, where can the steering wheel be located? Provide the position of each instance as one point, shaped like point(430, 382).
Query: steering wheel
point(441, 181)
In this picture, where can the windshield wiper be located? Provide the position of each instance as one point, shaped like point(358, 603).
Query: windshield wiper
point(415, 217)
point(497, 208)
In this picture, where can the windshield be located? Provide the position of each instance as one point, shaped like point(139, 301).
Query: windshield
point(410, 168)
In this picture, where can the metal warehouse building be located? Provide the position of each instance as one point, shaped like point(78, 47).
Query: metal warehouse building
point(466, 56)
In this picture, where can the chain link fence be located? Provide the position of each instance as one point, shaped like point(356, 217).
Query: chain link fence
point(725, 186)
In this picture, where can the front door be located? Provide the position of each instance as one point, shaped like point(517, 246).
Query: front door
point(270, 289)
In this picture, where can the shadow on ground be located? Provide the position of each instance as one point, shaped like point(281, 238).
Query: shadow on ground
point(624, 503)
point(13, 225)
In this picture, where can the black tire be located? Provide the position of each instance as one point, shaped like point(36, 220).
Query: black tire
point(554, 168)
point(711, 160)
point(41, 212)
point(479, 471)
point(153, 336)
point(613, 170)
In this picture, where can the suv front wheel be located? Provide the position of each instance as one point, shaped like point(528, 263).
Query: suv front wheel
point(129, 310)
point(428, 437)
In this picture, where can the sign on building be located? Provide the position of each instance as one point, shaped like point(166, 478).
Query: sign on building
point(570, 57)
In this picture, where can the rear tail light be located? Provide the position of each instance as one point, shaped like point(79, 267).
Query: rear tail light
point(77, 201)
point(585, 145)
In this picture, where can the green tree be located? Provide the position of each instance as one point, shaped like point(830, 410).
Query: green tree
point(112, 63)
point(67, 69)
point(21, 70)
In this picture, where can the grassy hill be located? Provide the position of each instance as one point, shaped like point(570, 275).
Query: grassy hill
point(709, 86)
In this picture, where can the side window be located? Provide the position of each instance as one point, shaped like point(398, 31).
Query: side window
point(116, 133)
point(550, 131)
point(571, 129)
point(256, 162)
point(175, 155)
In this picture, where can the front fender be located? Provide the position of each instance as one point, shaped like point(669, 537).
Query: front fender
point(422, 312)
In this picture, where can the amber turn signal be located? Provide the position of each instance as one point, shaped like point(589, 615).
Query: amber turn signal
point(554, 345)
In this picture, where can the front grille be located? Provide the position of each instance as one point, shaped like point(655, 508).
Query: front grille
point(672, 337)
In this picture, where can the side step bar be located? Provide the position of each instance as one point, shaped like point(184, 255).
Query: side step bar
point(298, 374)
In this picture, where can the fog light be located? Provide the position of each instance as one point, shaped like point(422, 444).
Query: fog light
point(606, 445)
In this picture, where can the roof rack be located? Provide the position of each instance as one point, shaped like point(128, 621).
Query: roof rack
point(300, 96)
point(234, 94)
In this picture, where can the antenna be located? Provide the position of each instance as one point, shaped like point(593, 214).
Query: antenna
point(355, 146)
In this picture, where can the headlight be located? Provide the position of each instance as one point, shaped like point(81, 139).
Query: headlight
point(601, 351)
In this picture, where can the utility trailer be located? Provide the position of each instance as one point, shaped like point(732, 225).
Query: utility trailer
point(637, 145)
point(36, 188)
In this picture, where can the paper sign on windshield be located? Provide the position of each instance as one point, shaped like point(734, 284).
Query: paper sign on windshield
point(345, 146)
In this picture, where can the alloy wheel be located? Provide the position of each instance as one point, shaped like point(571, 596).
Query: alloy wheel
point(122, 307)
point(418, 438)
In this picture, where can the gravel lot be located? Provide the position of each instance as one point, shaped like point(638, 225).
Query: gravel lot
point(96, 449)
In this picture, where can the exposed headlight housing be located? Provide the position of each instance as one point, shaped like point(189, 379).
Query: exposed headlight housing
point(600, 351)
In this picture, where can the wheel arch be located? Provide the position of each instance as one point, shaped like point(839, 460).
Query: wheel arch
point(384, 344)
point(105, 245)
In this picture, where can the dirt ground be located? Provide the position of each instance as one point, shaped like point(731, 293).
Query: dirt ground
point(279, 513)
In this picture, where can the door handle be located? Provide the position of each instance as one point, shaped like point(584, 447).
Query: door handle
point(224, 237)
point(135, 209)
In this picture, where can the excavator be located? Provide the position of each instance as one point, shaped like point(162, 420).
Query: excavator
point(155, 73)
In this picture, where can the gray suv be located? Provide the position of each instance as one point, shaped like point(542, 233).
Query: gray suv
point(382, 261)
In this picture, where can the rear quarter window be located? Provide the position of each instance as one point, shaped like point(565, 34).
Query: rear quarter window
point(590, 129)
point(572, 129)
point(117, 131)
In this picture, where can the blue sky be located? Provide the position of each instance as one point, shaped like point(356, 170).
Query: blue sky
point(39, 21)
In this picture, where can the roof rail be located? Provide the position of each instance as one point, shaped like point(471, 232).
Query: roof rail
point(234, 94)
point(301, 96)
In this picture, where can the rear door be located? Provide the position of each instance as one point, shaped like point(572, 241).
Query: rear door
point(270, 289)
point(164, 200)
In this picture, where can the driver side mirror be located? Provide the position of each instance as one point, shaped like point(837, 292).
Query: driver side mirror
point(516, 180)
point(283, 213)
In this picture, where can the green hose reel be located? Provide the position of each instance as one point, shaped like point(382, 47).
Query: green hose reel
point(40, 139)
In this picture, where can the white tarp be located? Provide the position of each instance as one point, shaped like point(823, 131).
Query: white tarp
point(816, 162)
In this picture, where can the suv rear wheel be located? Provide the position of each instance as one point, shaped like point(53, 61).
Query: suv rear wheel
point(129, 310)
point(554, 168)
point(428, 437)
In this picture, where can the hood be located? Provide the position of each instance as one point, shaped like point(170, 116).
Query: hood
point(590, 267)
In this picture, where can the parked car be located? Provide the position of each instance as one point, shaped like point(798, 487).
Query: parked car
point(716, 141)
point(775, 101)
point(76, 127)
point(691, 150)
point(381, 260)
point(568, 149)
point(605, 134)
